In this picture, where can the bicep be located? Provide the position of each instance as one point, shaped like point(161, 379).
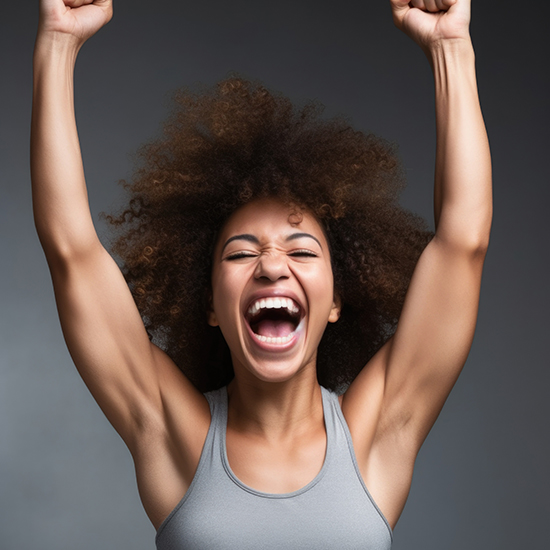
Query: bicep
point(106, 337)
point(409, 379)
point(434, 334)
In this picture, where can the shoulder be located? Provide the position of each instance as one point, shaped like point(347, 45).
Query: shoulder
point(167, 451)
point(181, 413)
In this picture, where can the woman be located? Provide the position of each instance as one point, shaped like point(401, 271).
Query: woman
point(270, 458)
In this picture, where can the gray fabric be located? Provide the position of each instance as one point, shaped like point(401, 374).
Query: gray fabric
point(333, 511)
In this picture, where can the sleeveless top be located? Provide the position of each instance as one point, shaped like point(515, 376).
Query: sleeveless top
point(333, 511)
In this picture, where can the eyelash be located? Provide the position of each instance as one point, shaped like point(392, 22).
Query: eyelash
point(239, 255)
point(303, 253)
point(296, 253)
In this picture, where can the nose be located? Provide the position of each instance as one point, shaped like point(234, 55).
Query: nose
point(272, 266)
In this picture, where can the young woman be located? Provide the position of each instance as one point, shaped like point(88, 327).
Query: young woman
point(266, 250)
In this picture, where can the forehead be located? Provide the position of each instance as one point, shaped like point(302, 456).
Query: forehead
point(270, 218)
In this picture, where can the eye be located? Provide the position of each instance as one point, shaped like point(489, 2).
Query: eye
point(239, 256)
point(303, 253)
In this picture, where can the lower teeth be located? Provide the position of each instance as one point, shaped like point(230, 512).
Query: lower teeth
point(275, 340)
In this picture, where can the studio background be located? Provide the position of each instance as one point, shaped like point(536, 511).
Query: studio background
point(481, 480)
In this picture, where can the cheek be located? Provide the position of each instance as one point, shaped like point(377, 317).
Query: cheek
point(321, 289)
point(227, 288)
point(318, 280)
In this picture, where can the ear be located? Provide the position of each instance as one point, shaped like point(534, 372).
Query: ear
point(211, 318)
point(212, 321)
point(335, 310)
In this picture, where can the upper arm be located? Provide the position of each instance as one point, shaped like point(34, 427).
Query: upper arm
point(434, 334)
point(393, 403)
point(127, 375)
point(419, 365)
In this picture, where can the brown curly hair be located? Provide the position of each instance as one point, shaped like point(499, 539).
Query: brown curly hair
point(236, 142)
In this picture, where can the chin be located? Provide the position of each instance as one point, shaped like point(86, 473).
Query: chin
point(278, 371)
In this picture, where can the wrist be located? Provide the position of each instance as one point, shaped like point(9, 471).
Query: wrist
point(451, 50)
point(56, 43)
point(54, 60)
point(453, 66)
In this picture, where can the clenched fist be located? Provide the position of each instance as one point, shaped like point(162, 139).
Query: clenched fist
point(429, 22)
point(78, 19)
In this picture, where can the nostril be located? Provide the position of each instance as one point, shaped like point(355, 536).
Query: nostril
point(272, 276)
point(272, 268)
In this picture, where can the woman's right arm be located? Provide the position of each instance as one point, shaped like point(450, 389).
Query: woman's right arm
point(135, 383)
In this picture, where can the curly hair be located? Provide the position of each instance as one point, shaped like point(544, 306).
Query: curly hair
point(236, 142)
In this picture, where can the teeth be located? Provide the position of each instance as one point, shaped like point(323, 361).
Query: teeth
point(273, 303)
point(275, 340)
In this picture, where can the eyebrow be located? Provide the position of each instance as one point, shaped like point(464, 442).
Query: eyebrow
point(300, 235)
point(253, 239)
point(243, 237)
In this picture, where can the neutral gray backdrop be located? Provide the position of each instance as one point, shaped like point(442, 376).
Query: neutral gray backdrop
point(66, 479)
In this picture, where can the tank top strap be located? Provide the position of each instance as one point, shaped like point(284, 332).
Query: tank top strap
point(217, 400)
point(330, 411)
point(344, 453)
point(214, 444)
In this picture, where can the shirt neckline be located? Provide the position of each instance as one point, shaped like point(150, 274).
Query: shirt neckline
point(243, 486)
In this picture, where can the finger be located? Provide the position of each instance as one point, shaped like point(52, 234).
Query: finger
point(444, 5)
point(77, 3)
point(399, 10)
point(460, 8)
point(397, 4)
point(431, 6)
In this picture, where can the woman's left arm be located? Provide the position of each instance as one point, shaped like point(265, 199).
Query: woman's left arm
point(406, 384)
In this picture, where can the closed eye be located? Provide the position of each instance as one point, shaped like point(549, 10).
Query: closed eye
point(239, 255)
point(295, 253)
point(302, 253)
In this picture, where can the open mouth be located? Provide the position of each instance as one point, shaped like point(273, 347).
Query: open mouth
point(274, 320)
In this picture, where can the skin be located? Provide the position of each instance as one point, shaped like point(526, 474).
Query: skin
point(276, 438)
point(274, 266)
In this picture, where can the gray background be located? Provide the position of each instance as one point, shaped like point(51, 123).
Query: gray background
point(66, 479)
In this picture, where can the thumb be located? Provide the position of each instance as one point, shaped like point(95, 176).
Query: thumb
point(399, 9)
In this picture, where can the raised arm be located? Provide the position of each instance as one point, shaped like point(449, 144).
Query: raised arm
point(132, 380)
point(406, 384)
point(60, 201)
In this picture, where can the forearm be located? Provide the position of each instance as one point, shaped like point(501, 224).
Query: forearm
point(60, 201)
point(462, 194)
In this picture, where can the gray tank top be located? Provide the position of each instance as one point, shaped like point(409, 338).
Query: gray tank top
point(333, 512)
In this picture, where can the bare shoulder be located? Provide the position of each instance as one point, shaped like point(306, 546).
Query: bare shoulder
point(184, 413)
point(363, 401)
point(167, 454)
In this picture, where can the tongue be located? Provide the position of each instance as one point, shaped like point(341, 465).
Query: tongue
point(274, 329)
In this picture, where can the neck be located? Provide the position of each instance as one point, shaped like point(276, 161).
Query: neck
point(275, 410)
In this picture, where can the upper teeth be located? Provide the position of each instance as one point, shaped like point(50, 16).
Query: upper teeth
point(273, 303)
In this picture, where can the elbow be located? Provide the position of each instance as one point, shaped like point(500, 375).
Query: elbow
point(469, 234)
point(481, 237)
point(473, 243)
point(482, 244)
point(61, 252)
point(478, 241)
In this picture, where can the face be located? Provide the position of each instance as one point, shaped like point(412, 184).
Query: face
point(272, 290)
